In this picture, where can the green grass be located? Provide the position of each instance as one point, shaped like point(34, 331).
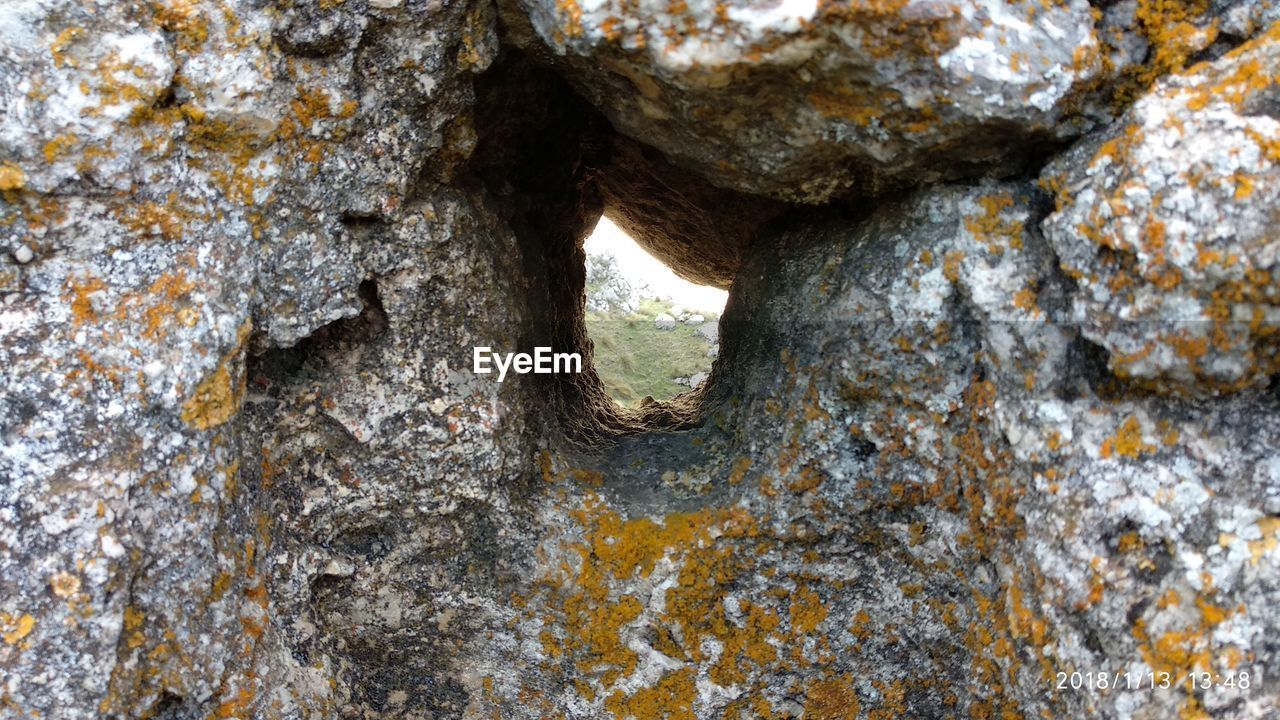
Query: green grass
point(635, 359)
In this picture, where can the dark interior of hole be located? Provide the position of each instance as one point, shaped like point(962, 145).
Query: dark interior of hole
point(552, 165)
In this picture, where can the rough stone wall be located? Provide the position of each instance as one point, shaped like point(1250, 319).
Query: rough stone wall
point(996, 396)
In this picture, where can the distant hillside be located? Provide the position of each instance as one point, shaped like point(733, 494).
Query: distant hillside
point(644, 346)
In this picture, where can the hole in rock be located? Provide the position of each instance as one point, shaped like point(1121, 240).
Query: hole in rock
point(654, 334)
point(552, 166)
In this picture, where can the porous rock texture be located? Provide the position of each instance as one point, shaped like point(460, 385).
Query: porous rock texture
point(1168, 222)
point(965, 432)
point(812, 99)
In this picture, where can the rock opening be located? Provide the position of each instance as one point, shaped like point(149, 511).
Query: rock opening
point(654, 335)
point(979, 425)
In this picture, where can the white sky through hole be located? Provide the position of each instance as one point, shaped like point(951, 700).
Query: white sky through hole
point(640, 268)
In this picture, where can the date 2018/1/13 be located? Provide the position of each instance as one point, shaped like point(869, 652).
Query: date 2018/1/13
point(1238, 680)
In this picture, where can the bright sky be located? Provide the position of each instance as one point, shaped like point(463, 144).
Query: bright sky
point(641, 268)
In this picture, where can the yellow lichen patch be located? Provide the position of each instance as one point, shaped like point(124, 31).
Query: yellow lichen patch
point(218, 396)
point(133, 622)
point(181, 18)
point(1211, 615)
point(81, 305)
point(1175, 30)
point(150, 218)
point(571, 15)
point(1127, 442)
point(14, 628)
point(671, 698)
point(587, 477)
point(314, 104)
point(594, 596)
point(1269, 145)
point(57, 147)
point(1270, 529)
point(858, 106)
point(746, 644)
point(808, 478)
point(64, 584)
point(739, 470)
point(12, 177)
point(807, 611)
point(1023, 623)
point(994, 227)
point(165, 292)
point(831, 699)
point(64, 40)
point(238, 704)
point(1177, 652)
point(1025, 300)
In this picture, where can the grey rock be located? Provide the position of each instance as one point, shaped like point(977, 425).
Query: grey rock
point(246, 470)
point(664, 322)
point(1166, 223)
point(805, 102)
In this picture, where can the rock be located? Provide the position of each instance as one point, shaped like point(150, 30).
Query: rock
point(664, 322)
point(1165, 222)
point(698, 230)
point(176, 176)
point(249, 472)
point(607, 289)
point(693, 319)
point(838, 99)
point(1059, 491)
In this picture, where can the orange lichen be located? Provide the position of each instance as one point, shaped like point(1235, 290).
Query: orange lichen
point(994, 227)
point(831, 699)
point(12, 177)
point(217, 398)
point(182, 19)
point(82, 311)
point(807, 611)
point(1127, 441)
point(1025, 300)
point(1269, 527)
point(587, 477)
point(13, 628)
point(571, 15)
point(64, 40)
point(671, 698)
point(58, 146)
point(951, 265)
point(148, 218)
point(164, 293)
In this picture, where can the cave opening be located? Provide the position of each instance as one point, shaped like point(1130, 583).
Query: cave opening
point(655, 334)
point(553, 166)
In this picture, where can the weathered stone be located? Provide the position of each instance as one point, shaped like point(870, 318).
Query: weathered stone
point(1167, 223)
point(162, 167)
point(699, 230)
point(803, 102)
point(245, 471)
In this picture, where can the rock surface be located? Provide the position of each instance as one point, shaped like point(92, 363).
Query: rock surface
point(1167, 221)
point(803, 101)
point(980, 434)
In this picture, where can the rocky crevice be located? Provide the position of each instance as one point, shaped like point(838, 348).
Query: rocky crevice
point(977, 419)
